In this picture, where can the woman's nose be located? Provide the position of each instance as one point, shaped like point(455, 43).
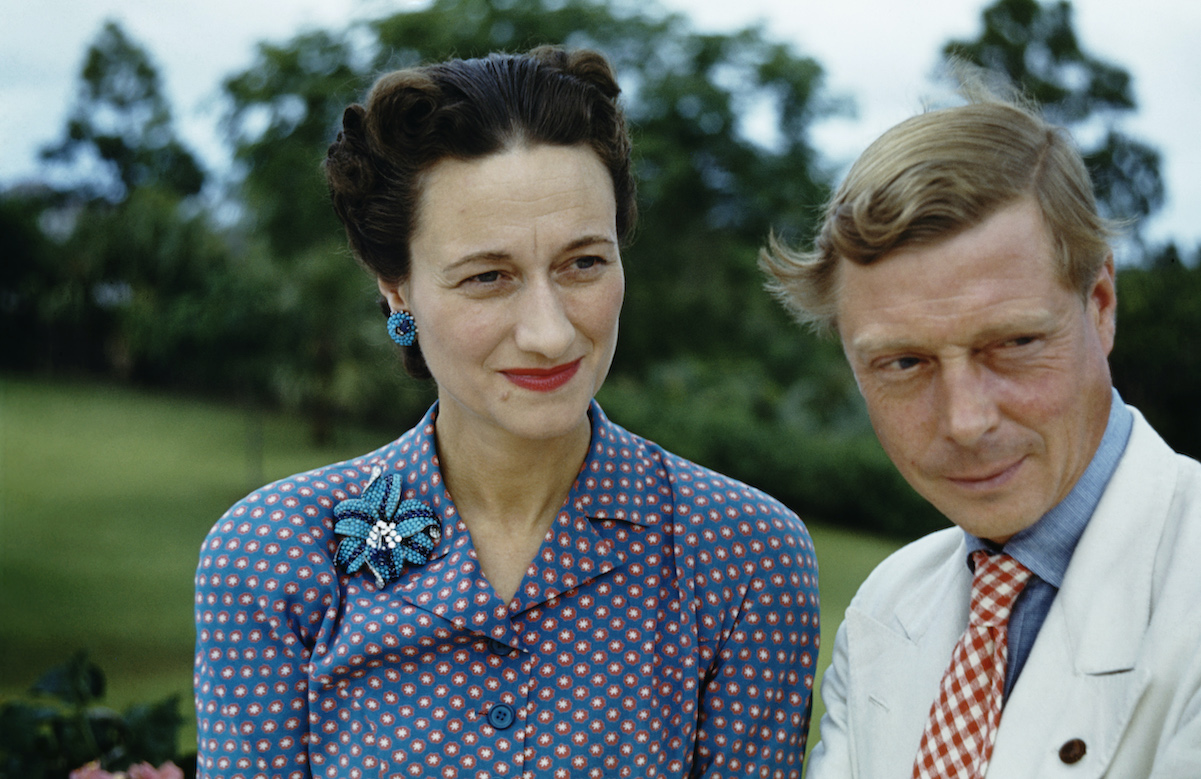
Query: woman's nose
point(543, 326)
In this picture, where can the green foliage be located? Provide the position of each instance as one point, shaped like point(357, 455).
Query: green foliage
point(130, 258)
point(272, 311)
point(1156, 358)
point(815, 453)
point(25, 275)
point(325, 352)
point(121, 119)
point(146, 268)
point(1034, 46)
point(284, 113)
point(65, 727)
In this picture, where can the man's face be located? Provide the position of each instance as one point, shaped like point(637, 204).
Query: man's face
point(985, 377)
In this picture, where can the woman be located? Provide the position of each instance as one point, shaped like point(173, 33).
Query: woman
point(516, 586)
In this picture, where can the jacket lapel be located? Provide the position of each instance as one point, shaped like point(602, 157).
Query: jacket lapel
point(1089, 646)
point(926, 621)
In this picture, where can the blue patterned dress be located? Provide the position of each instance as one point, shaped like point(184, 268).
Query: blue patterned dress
point(667, 627)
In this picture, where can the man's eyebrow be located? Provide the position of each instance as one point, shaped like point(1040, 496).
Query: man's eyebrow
point(1034, 321)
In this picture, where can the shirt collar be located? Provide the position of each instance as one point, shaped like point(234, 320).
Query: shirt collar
point(1046, 546)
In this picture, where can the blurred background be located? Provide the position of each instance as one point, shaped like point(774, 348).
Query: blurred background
point(180, 320)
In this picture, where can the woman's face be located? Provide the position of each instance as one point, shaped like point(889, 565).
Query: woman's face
point(516, 285)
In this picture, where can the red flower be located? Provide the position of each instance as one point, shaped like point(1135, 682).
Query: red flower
point(92, 770)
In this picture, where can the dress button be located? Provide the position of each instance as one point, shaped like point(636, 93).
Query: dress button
point(1072, 751)
point(498, 648)
point(501, 716)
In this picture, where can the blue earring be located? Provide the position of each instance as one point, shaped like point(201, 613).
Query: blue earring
point(402, 327)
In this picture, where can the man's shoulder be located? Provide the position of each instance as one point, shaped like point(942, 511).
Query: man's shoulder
point(924, 563)
point(1153, 477)
point(1146, 448)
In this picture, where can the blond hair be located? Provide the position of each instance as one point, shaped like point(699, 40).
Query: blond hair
point(937, 174)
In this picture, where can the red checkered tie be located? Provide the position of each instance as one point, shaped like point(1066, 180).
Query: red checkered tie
point(963, 720)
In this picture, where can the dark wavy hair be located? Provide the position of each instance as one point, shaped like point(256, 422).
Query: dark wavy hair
point(466, 109)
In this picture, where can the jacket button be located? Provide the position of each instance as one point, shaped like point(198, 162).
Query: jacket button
point(1072, 751)
point(501, 716)
point(498, 648)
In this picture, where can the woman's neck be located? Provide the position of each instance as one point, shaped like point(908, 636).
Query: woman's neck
point(508, 489)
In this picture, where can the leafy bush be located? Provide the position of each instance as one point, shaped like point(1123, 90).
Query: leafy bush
point(64, 727)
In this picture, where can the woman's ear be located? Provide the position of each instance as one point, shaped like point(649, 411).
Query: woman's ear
point(397, 295)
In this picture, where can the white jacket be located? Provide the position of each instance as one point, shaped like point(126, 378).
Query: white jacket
point(1116, 665)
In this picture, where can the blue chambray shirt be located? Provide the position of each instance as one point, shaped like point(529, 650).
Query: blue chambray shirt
point(1046, 546)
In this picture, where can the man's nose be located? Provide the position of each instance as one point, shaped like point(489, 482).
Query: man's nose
point(969, 406)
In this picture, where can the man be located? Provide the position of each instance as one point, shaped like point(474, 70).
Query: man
point(965, 270)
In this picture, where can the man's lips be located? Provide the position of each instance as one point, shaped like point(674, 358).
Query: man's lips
point(988, 480)
point(543, 379)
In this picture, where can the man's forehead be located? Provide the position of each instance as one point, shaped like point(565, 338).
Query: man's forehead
point(995, 275)
point(969, 330)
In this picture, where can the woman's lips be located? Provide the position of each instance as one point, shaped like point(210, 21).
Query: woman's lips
point(543, 379)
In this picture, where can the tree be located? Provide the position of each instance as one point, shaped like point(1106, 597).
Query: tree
point(129, 258)
point(1034, 46)
point(325, 354)
point(25, 275)
point(708, 363)
point(1156, 357)
point(283, 113)
point(122, 121)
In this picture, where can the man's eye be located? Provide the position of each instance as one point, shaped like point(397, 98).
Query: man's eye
point(486, 278)
point(902, 363)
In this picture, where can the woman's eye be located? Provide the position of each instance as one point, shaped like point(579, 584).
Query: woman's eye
point(584, 263)
point(488, 277)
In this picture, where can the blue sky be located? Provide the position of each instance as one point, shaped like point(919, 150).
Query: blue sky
point(878, 52)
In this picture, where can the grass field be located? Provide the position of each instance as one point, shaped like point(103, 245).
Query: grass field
point(106, 494)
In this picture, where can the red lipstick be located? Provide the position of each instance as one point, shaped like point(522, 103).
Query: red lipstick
point(543, 379)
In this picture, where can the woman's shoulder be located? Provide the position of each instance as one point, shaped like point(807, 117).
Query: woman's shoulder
point(302, 505)
point(701, 495)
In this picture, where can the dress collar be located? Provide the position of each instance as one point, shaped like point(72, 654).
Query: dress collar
point(620, 494)
point(619, 478)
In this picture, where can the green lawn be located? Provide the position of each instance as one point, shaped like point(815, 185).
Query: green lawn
point(106, 494)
